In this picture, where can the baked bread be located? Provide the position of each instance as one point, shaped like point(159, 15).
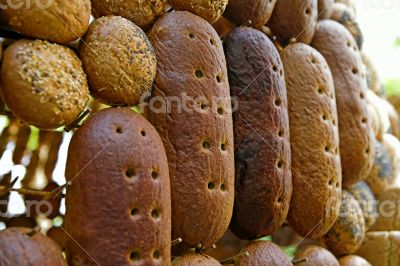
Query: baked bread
point(43, 84)
point(379, 114)
point(208, 10)
point(193, 259)
point(373, 79)
point(263, 253)
point(325, 8)
point(338, 47)
point(263, 183)
point(258, 12)
point(141, 12)
point(46, 207)
point(294, 19)
point(316, 256)
point(119, 61)
point(366, 198)
point(314, 138)
point(388, 218)
point(353, 260)
point(346, 16)
point(117, 155)
point(60, 21)
point(199, 138)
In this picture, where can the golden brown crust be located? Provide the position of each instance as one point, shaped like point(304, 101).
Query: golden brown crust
point(366, 198)
point(195, 260)
point(257, 11)
point(345, 16)
point(338, 47)
point(314, 138)
point(122, 197)
point(198, 141)
point(263, 183)
point(294, 19)
point(263, 253)
point(43, 84)
point(353, 260)
point(210, 10)
point(142, 13)
point(60, 21)
point(325, 8)
point(119, 61)
point(316, 256)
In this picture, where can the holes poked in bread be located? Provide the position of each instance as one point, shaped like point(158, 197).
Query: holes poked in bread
point(334, 122)
point(331, 182)
point(155, 214)
point(354, 70)
point(367, 150)
point(324, 117)
point(143, 132)
point(130, 172)
point(362, 95)
point(320, 90)
point(308, 11)
point(364, 120)
point(206, 145)
point(156, 254)
point(279, 200)
point(279, 163)
point(274, 68)
point(313, 60)
point(222, 187)
point(280, 133)
point(191, 35)
point(154, 173)
point(212, 41)
point(278, 101)
point(119, 130)
point(348, 44)
point(135, 255)
point(199, 73)
point(326, 149)
point(218, 78)
point(134, 211)
point(211, 185)
point(223, 147)
point(204, 106)
point(220, 110)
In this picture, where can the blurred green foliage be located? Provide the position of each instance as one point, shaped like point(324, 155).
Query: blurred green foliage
point(392, 86)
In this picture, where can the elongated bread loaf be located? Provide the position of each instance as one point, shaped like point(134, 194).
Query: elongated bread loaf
point(325, 8)
point(338, 47)
point(263, 184)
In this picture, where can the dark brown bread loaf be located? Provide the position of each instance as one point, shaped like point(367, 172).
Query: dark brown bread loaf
point(195, 260)
point(366, 198)
point(294, 19)
point(263, 183)
point(263, 253)
point(314, 138)
point(338, 47)
point(209, 10)
point(345, 16)
point(60, 21)
point(120, 192)
point(23, 247)
point(198, 140)
point(353, 260)
point(316, 256)
point(257, 11)
point(325, 8)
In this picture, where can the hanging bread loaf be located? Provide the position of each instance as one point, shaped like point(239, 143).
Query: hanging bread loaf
point(198, 141)
point(195, 260)
point(314, 138)
point(353, 260)
point(208, 10)
point(316, 256)
point(366, 198)
point(338, 47)
point(346, 16)
point(263, 183)
point(130, 192)
point(325, 8)
point(263, 253)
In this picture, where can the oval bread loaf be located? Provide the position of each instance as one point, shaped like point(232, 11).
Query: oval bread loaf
point(118, 174)
point(366, 198)
point(325, 8)
point(338, 47)
point(263, 183)
point(316, 256)
point(208, 10)
point(294, 19)
point(353, 260)
point(199, 138)
point(195, 260)
point(263, 253)
point(314, 137)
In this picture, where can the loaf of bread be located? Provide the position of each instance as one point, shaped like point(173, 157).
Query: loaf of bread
point(119, 193)
point(388, 218)
point(381, 248)
point(199, 138)
point(193, 259)
point(338, 47)
point(373, 79)
point(208, 10)
point(353, 260)
point(348, 232)
point(314, 138)
point(119, 61)
point(294, 19)
point(379, 115)
point(263, 253)
point(258, 12)
point(316, 256)
point(346, 16)
point(60, 21)
point(263, 183)
point(43, 84)
point(366, 198)
point(24, 246)
point(143, 13)
point(325, 8)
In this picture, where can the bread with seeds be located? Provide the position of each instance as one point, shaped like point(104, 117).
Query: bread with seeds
point(118, 204)
point(316, 256)
point(43, 84)
point(210, 10)
point(263, 183)
point(263, 253)
point(195, 260)
point(366, 198)
point(314, 138)
point(119, 61)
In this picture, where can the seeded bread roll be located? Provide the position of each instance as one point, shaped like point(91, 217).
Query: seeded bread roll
point(257, 11)
point(366, 198)
point(314, 141)
point(199, 138)
point(195, 260)
point(208, 10)
point(325, 8)
point(142, 13)
point(353, 260)
point(338, 47)
point(263, 183)
point(316, 256)
point(346, 16)
point(388, 218)
point(120, 193)
point(23, 246)
point(263, 253)
point(348, 232)
point(381, 248)
point(119, 61)
point(43, 84)
point(60, 21)
point(294, 19)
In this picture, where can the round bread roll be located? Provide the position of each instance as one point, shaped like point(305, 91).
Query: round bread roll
point(347, 233)
point(325, 8)
point(119, 61)
point(209, 10)
point(43, 84)
point(366, 198)
point(316, 256)
point(141, 12)
point(263, 253)
point(195, 260)
point(60, 21)
point(353, 260)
